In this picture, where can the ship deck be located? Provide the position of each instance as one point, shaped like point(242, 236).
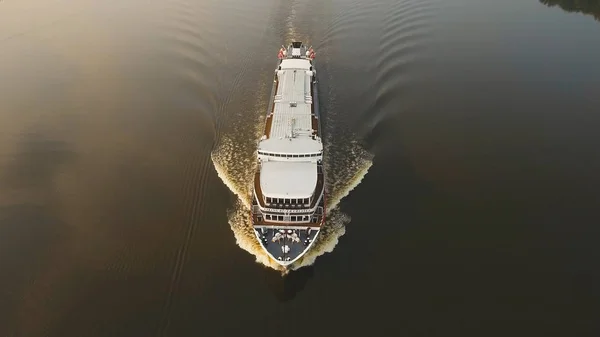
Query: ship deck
point(286, 244)
point(269, 119)
point(258, 200)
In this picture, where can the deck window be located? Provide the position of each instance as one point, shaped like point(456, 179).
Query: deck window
point(268, 217)
point(293, 218)
point(280, 218)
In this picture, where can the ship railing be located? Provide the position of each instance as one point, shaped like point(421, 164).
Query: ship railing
point(289, 211)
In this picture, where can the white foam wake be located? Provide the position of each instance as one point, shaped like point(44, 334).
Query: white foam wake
point(235, 163)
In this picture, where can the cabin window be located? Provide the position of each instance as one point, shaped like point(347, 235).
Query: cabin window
point(293, 218)
point(268, 200)
point(280, 218)
point(268, 217)
point(293, 201)
point(287, 201)
point(259, 218)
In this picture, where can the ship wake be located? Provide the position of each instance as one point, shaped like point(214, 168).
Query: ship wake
point(235, 162)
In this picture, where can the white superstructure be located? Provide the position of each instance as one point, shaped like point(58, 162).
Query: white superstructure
point(289, 184)
point(289, 154)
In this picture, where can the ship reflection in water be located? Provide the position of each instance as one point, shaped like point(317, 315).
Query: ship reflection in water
point(285, 288)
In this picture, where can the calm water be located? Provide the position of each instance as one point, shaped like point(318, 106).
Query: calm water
point(462, 141)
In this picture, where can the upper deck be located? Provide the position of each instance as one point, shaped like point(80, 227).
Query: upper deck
point(290, 127)
point(291, 132)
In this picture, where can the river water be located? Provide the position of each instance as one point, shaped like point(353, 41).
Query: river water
point(461, 149)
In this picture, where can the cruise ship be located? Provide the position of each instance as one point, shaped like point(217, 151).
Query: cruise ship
point(288, 208)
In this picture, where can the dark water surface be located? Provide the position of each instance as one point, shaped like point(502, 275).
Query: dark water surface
point(127, 131)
